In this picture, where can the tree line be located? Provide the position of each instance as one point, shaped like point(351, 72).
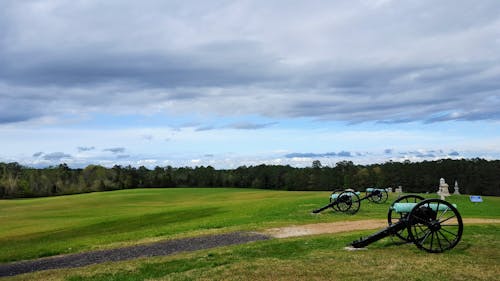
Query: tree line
point(474, 176)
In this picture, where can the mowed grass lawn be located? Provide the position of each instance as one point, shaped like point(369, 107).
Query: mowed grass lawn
point(32, 228)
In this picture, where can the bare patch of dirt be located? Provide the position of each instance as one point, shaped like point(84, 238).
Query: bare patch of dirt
point(345, 226)
point(322, 228)
point(480, 221)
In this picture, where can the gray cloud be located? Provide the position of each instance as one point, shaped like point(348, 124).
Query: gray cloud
point(344, 154)
point(425, 155)
point(440, 62)
point(388, 151)
point(13, 117)
point(304, 155)
point(56, 156)
point(85, 148)
point(19, 104)
point(250, 126)
point(430, 153)
point(318, 155)
point(204, 128)
point(238, 126)
point(115, 149)
point(38, 154)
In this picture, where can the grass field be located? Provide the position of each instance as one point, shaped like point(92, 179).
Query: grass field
point(31, 228)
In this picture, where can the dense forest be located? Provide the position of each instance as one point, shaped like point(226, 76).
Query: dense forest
point(474, 176)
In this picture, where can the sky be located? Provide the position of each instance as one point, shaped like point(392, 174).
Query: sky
point(232, 83)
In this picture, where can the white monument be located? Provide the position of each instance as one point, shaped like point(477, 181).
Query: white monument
point(399, 189)
point(456, 188)
point(443, 189)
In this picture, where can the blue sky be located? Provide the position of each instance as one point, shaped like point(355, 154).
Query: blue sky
point(231, 83)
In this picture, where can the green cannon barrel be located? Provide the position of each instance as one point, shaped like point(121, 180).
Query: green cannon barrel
point(335, 195)
point(371, 189)
point(407, 207)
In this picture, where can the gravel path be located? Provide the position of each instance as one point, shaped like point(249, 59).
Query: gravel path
point(163, 248)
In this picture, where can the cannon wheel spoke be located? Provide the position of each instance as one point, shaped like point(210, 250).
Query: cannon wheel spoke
point(449, 232)
point(442, 236)
point(447, 219)
point(439, 241)
point(393, 217)
point(447, 243)
point(423, 239)
point(417, 233)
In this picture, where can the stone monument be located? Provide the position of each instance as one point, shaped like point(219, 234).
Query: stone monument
point(443, 189)
point(456, 188)
point(399, 189)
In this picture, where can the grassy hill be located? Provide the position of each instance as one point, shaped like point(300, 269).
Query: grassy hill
point(31, 228)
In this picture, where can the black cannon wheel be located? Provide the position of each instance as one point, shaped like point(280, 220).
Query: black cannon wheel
point(338, 192)
point(393, 217)
point(348, 202)
point(435, 225)
point(378, 196)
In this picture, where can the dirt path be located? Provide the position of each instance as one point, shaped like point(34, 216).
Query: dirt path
point(336, 227)
point(170, 247)
point(322, 228)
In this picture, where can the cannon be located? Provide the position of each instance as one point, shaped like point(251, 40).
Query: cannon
point(433, 225)
point(350, 200)
point(376, 195)
point(345, 201)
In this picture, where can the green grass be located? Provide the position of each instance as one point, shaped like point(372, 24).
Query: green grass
point(32, 228)
point(323, 258)
point(307, 258)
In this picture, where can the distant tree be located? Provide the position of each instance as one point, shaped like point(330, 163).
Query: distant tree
point(316, 164)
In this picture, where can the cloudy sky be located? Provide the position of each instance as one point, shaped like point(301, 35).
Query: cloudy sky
point(230, 83)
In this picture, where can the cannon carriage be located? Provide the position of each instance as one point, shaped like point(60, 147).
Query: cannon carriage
point(349, 201)
point(433, 225)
